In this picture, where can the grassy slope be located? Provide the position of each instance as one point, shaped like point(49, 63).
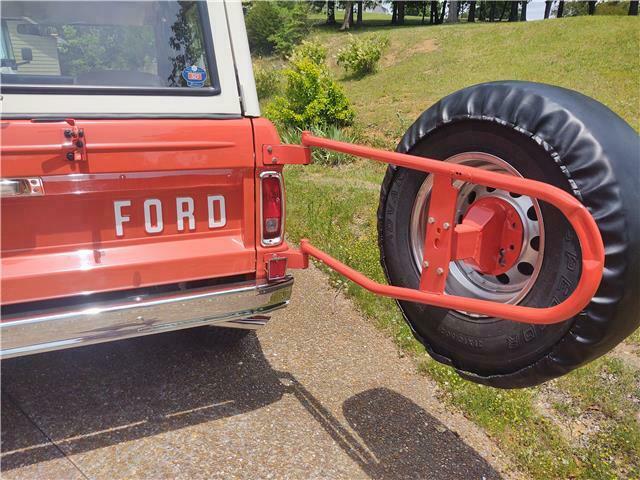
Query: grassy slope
point(587, 424)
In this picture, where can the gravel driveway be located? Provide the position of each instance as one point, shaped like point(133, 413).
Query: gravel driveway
point(318, 393)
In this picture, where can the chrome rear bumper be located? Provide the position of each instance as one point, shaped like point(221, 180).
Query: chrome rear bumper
point(237, 305)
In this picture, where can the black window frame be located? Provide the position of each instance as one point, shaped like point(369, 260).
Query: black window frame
point(214, 89)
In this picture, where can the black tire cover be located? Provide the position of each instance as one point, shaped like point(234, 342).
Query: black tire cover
point(600, 155)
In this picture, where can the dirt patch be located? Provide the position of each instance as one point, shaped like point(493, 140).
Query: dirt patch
point(628, 354)
point(576, 430)
point(396, 55)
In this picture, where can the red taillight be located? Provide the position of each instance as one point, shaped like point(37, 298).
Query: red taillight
point(272, 208)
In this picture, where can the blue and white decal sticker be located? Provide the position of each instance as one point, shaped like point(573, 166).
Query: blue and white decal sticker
point(195, 76)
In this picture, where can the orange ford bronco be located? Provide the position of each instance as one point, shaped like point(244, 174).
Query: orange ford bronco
point(142, 192)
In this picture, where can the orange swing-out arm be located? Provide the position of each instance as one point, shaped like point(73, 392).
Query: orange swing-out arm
point(445, 241)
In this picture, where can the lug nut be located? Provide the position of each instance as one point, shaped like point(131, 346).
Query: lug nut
point(431, 220)
point(446, 225)
point(439, 271)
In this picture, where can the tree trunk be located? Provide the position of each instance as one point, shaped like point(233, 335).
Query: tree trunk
point(547, 8)
point(472, 11)
point(513, 14)
point(359, 22)
point(592, 8)
point(331, 13)
point(351, 16)
point(633, 8)
point(394, 13)
point(560, 9)
point(444, 7)
point(523, 11)
point(348, 11)
point(434, 13)
point(424, 11)
point(400, 18)
point(504, 10)
point(453, 12)
point(483, 11)
point(492, 12)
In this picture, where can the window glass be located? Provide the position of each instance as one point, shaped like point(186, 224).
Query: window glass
point(117, 44)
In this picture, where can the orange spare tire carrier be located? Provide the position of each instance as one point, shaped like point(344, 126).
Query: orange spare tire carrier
point(487, 237)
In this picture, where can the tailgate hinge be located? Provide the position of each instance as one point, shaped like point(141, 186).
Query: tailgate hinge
point(286, 155)
point(75, 146)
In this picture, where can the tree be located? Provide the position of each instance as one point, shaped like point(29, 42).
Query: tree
point(547, 8)
point(472, 11)
point(492, 12)
point(513, 14)
point(592, 8)
point(633, 8)
point(433, 15)
point(401, 12)
point(560, 9)
point(453, 12)
point(483, 11)
point(359, 22)
point(348, 16)
point(523, 11)
point(331, 13)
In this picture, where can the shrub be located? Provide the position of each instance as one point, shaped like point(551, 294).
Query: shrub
point(318, 155)
point(311, 97)
point(361, 55)
point(267, 81)
point(314, 51)
point(294, 28)
point(263, 20)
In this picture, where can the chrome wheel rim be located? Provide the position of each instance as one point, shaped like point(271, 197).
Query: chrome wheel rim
point(463, 280)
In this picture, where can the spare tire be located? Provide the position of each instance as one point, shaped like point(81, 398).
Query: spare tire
point(545, 133)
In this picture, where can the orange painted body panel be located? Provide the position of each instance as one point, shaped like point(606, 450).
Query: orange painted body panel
point(64, 242)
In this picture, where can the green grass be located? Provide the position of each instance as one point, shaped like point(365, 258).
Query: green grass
point(336, 209)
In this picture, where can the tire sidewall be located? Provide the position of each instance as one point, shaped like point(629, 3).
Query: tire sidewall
point(486, 346)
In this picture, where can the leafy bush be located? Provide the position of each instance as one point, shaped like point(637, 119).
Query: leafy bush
point(294, 28)
point(311, 97)
point(314, 51)
point(267, 81)
point(361, 55)
point(276, 26)
point(263, 21)
point(321, 156)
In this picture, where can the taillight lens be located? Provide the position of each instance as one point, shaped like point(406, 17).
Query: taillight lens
point(272, 208)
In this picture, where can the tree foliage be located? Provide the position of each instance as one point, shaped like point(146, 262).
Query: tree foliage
point(276, 26)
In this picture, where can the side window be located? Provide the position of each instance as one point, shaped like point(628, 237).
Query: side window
point(144, 44)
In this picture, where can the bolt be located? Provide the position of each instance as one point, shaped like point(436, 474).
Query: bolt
point(425, 264)
point(439, 271)
point(70, 156)
point(431, 220)
point(67, 133)
point(274, 160)
point(269, 149)
point(446, 225)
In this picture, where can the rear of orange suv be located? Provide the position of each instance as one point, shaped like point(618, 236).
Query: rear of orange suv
point(134, 196)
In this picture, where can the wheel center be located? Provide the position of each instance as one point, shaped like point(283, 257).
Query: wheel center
point(501, 233)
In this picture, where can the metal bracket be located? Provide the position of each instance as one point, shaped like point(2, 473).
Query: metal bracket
point(76, 150)
point(444, 240)
point(286, 155)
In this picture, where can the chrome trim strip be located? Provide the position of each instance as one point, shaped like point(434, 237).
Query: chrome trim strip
point(238, 305)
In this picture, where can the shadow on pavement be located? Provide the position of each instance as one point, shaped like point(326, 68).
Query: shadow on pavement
point(106, 394)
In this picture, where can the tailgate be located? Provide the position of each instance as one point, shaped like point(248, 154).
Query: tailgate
point(155, 201)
